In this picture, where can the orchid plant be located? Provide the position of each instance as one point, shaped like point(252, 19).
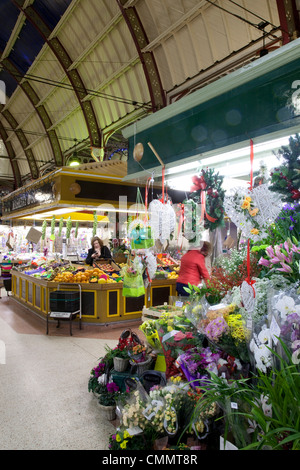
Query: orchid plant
point(283, 258)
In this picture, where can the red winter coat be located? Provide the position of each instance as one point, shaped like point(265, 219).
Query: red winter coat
point(192, 268)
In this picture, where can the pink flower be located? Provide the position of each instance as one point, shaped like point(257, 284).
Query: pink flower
point(275, 260)
point(285, 268)
point(264, 262)
point(270, 252)
point(179, 336)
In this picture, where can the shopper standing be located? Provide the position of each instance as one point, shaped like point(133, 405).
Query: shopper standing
point(192, 268)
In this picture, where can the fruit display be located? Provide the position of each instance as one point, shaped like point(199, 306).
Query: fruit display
point(93, 275)
point(172, 275)
point(164, 259)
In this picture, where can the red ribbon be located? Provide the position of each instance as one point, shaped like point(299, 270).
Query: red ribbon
point(248, 245)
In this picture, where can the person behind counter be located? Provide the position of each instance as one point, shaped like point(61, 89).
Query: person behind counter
point(97, 251)
point(192, 268)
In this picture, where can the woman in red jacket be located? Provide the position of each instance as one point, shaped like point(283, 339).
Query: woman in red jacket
point(192, 268)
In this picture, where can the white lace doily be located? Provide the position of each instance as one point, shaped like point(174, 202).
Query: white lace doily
point(267, 202)
point(162, 220)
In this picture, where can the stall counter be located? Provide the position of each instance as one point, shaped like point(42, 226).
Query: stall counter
point(101, 303)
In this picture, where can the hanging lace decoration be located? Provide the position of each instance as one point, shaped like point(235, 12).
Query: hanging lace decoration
point(252, 211)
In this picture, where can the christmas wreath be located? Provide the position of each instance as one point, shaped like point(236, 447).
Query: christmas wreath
point(285, 179)
point(207, 190)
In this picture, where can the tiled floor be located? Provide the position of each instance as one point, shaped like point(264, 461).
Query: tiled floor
point(44, 400)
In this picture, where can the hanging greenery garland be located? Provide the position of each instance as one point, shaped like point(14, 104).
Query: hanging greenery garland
point(60, 227)
point(95, 223)
point(207, 190)
point(76, 229)
point(44, 226)
point(69, 227)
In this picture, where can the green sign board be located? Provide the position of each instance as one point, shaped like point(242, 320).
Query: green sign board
point(264, 105)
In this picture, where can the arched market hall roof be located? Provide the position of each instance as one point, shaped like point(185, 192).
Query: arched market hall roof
point(74, 73)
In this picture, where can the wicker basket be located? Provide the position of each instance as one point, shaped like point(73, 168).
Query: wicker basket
point(120, 364)
point(140, 367)
point(109, 412)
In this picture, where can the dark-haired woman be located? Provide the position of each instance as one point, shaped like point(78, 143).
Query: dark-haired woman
point(97, 251)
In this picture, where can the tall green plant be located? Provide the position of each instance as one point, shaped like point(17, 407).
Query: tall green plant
point(267, 407)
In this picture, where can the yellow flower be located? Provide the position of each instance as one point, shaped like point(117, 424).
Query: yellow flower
point(118, 438)
point(126, 435)
point(246, 204)
point(123, 445)
point(254, 211)
point(254, 231)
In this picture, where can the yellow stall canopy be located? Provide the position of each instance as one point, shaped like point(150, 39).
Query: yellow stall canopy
point(78, 192)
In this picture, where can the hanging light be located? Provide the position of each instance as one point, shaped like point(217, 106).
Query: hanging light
point(74, 159)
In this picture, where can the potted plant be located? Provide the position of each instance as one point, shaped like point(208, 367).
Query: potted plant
point(138, 353)
point(107, 400)
point(97, 377)
point(139, 359)
point(119, 356)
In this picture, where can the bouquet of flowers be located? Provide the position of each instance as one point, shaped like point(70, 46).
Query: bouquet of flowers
point(149, 329)
point(225, 328)
point(131, 413)
point(196, 309)
point(176, 335)
point(196, 364)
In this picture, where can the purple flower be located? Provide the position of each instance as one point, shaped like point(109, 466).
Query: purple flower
point(112, 387)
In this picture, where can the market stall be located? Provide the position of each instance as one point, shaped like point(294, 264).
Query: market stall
point(101, 302)
point(219, 369)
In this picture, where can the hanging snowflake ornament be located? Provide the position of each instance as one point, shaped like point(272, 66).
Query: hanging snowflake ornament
point(248, 296)
point(252, 211)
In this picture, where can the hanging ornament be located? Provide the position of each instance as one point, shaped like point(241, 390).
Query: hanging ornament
point(248, 296)
point(252, 210)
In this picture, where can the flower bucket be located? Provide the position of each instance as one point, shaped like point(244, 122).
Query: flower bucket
point(140, 367)
point(120, 364)
point(109, 412)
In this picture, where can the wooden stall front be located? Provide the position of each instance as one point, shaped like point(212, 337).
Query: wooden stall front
point(101, 303)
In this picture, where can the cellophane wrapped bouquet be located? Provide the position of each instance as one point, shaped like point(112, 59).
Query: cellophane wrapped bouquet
point(148, 327)
point(176, 334)
point(196, 363)
point(225, 328)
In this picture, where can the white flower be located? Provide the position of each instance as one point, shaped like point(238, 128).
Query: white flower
point(286, 305)
point(265, 336)
point(296, 353)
